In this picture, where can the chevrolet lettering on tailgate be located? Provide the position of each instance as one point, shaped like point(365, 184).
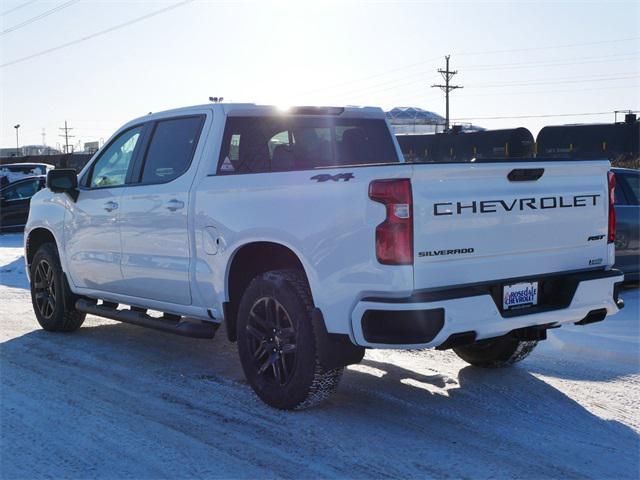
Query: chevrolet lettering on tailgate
point(518, 204)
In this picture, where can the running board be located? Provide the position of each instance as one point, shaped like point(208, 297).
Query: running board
point(182, 326)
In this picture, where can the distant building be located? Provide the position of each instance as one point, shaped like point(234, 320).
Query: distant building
point(28, 150)
point(8, 152)
point(91, 147)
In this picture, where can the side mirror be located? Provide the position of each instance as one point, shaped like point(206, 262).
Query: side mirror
point(63, 180)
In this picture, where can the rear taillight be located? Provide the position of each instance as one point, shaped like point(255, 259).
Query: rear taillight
point(394, 236)
point(612, 211)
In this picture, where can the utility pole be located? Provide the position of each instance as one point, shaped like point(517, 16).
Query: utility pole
point(446, 88)
point(43, 135)
point(66, 136)
point(17, 127)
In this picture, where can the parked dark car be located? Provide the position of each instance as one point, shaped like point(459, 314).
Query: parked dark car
point(15, 199)
point(628, 222)
point(12, 172)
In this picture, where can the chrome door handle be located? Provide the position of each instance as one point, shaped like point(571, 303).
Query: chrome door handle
point(174, 205)
point(110, 206)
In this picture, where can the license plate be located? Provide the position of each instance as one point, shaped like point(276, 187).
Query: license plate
point(520, 295)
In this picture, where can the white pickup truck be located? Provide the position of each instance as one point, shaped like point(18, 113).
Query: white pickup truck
point(306, 233)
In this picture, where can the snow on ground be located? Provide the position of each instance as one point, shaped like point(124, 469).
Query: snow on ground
point(114, 400)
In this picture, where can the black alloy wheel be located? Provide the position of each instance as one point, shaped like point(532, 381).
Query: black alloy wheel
point(277, 342)
point(53, 302)
point(272, 339)
point(44, 286)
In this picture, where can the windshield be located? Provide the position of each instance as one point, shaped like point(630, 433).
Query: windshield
point(277, 144)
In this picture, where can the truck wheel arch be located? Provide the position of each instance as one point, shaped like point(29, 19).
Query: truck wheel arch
point(246, 263)
point(37, 237)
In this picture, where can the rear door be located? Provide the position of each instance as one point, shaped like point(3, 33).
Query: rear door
point(154, 218)
point(477, 222)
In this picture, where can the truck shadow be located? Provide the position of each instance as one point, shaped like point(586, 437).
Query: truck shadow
point(108, 384)
point(12, 239)
point(13, 274)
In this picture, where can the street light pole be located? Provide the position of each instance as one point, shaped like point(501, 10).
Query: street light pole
point(17, 141)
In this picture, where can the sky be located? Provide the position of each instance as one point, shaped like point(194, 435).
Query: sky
point(514, 59)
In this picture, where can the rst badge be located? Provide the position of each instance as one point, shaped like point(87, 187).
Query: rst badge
point(520, 295)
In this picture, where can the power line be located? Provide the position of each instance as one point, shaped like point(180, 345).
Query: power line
point(545, 92)
point(38, 17)
point(97, 34)
point(381, 74)
point(550, 47)
point(371, 90)
point(534, 116)
point(446, 88)
point(573, 77)
point(367, 91)
point(520, 83)
point(527, 83)
point(429, 60)
point(553, 63)
point(359, 92)
point(11, 10)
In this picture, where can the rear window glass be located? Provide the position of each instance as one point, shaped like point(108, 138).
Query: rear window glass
point(171, 149)
point(633, 181)
point(280, 144)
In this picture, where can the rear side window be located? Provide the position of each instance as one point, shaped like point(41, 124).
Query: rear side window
point(173, 143)
point(287, 143)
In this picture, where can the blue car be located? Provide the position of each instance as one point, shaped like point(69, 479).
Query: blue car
point(628, 222)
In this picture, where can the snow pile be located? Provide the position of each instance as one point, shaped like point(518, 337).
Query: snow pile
point(12, 266)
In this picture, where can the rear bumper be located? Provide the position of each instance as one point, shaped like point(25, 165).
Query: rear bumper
point(431, 318)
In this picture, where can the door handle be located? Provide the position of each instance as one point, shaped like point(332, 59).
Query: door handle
point(110, 206)
point(174, 205)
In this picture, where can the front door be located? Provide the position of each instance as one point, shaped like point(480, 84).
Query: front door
point(156, 249)
point(92, 232)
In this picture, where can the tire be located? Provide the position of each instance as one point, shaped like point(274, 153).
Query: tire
point(52, 301)
point(496, 352)
point(277, 344)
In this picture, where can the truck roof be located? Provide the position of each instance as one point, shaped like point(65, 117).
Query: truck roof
point(252, 109)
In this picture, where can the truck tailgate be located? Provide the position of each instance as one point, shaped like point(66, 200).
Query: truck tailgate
point(477, 222)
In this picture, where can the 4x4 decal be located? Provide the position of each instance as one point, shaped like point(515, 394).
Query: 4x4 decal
point(325, 177)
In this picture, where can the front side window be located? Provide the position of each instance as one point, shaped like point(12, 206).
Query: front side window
point(21, 190)
point(171, 149)
point(110, 170)
point(282, 143)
